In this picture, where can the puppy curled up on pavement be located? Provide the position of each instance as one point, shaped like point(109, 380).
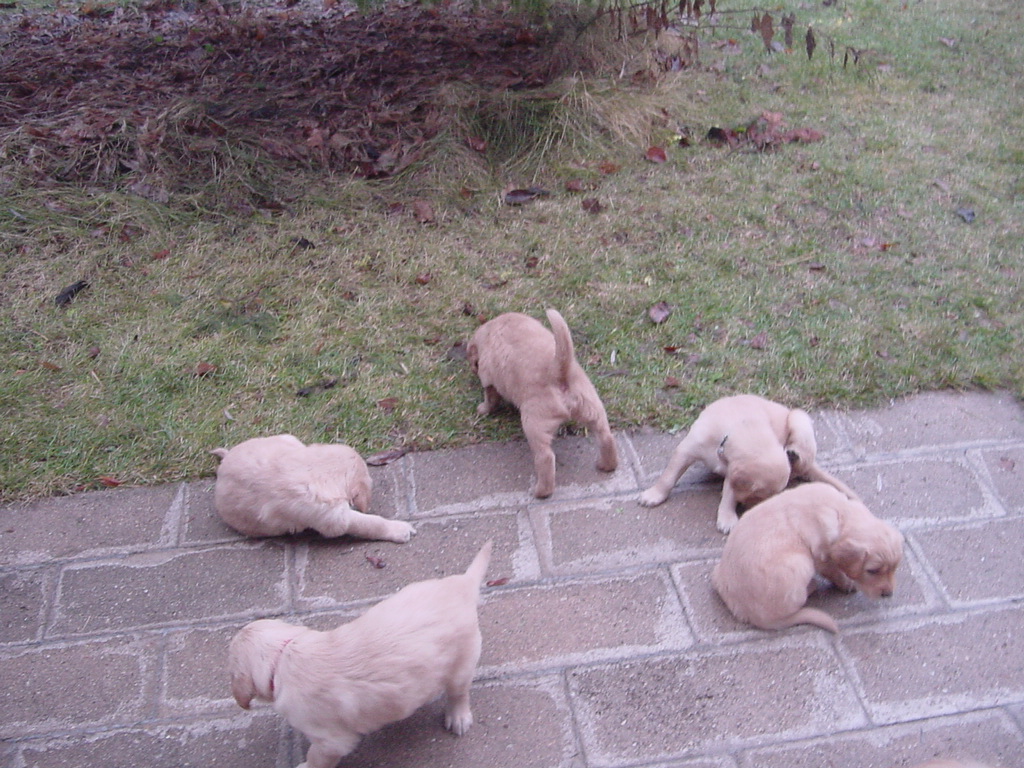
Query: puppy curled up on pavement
point(338, 686)
point(269, 486)
point(536, 370)
point(771, 557)
point(756, 445)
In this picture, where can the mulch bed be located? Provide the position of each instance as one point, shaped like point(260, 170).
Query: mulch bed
point(105, 94)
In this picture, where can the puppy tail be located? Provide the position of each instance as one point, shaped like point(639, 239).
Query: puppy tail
point(565, 352)
point(810, 616)
point(478, 567)
point(220, 453)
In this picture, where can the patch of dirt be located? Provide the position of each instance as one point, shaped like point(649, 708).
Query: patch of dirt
point(153, 97)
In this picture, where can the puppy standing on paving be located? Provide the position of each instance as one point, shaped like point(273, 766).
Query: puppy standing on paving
point(756, 445)
point(337, 686)
point(771, 557)
point(269, 486)
point(536, 370)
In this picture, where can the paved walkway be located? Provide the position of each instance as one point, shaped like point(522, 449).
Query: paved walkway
point(604, 647)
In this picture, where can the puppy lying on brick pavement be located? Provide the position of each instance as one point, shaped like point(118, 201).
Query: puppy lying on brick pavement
point(771, 557)
point(756, 445)
point(536, 370)
point(339, 685)
point(269, 486)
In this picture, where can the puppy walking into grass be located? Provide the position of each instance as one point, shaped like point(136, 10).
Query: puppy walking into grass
point(756, 445)
point(536, 370)
point(776, 549)
point(338, 686)
point(270, 486)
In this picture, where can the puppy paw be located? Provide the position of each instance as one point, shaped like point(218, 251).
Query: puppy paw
point(543, 491)
point(652, 497)
point(401, 532)
point(483, 409)
point(726, 523)
point(458, 722)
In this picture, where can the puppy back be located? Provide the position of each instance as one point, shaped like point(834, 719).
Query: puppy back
point(565, 352)
point(478, 567)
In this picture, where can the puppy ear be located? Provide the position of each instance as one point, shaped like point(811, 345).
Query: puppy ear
point(243, 689)
point(850, 556)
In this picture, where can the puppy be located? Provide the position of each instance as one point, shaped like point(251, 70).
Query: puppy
point(772, 555)
point(336, 686)
point(268, 486)
point(758, 446)
point(519, 360)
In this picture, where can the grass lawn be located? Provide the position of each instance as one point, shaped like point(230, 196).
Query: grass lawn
point(881, 260)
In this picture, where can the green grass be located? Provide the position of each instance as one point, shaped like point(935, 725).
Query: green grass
point(832, 273)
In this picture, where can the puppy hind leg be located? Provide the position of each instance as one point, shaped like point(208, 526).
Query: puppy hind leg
point(539, 434)
point(365, 526)
point(815, 473)
point(681, 459)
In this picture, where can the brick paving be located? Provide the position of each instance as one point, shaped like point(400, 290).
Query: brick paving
point(605, 648)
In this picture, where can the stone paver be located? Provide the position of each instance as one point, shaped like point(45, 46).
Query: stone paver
point(604, 644)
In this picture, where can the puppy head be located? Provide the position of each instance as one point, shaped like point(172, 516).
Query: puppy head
point(756, 479)
point(869, 551)
point(252, 656)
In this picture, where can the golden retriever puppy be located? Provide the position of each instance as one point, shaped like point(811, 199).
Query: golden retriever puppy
point(268, 486)
point(339, 685)
point(772, 555)
point(756, 445)
point(536, 370)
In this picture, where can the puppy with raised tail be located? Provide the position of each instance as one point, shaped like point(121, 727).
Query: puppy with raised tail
point(756, 445)
point(269, 486)
point(772, 555)
point(337, 686)
point(536, 370)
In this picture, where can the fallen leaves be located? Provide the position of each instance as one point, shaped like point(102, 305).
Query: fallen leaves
point(660, 312)
point(656, 155)
point(66, 296)
point(384, 458)
point(766, 132)
point(521, 196)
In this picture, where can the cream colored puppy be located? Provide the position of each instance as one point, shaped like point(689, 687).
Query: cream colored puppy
point(772, 555)
point(339, 685)
point(269, 486)
point(756, 445)
point(536, 370)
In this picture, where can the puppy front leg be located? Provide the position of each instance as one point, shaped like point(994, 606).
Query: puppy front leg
point(457, 714)
point(323, 754)
point(491, 401)
point(679, 462)
point(727, 516)
point(370, 527)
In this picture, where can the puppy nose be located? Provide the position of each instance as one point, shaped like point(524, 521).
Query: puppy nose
point(886, 593)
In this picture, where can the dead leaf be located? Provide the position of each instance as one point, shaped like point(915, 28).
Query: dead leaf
point(203, 369)
point(578, 185)
point(949, 42)
point(660, 312)
point(760, 341)
point(520, 196)
point(671, 382)
point(592, 205)
point(423, 211)
point(384, 458)
point(109, 482)
point(93, 352)
point(477, 144)
point(608, 168)
point(64, 297)
point(498, 582)
point(656, 155)
point(388, 404)
point(50, 366)
point(423, 278)
point(161, 254)
point(376, 562)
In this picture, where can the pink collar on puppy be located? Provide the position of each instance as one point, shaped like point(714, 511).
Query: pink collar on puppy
point(277, 659)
